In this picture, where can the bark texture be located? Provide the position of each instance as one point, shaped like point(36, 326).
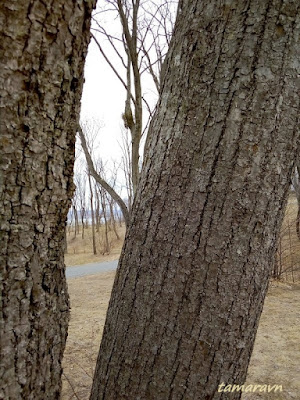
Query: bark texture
point(43, 46)
point(198, 254)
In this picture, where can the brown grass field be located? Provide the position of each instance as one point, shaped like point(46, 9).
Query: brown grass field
point(276, 356)
point(80, 251)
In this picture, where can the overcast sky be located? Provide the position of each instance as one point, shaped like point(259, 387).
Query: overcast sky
point(103, 98)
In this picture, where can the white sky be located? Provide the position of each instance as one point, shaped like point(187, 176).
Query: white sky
point(103, 98)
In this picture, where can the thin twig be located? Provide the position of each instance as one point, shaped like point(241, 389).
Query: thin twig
point(72, 387)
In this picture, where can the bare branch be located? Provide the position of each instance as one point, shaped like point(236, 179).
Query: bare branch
point(146, 29)
point(71, 385)
point(111, 40)
point(149, 67)
point(100, 180)
point(111, 65)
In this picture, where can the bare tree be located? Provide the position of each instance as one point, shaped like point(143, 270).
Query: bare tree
point(101, 181)
point(80, 183)
point(112, 217)
point(296, 186)
point(92, 213)
point(111, 201)
point(103, 200)
point(97, 208)
point(74, 209)
point(140, 46)
point(126, 166)
point(199, 251)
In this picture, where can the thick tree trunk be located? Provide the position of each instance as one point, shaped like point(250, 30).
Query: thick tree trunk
point(43, 45)
point(199, 251)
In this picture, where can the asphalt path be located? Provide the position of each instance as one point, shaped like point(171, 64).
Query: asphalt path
point(91, 269)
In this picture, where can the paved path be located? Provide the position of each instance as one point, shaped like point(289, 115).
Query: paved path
point(90, 269)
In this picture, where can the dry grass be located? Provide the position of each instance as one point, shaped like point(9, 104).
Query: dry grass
point(80, 251)
point(275, 360)
point(89, 300)
point(276, 355)
point(288, 254)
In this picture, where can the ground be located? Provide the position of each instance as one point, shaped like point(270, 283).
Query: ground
point(80, 249)
point(89, 300)
point(275, 360)
point(276, 356)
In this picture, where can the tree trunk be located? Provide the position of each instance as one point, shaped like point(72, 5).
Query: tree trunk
point(65, 239)
point(82, 213)
point(112, 218)
point(200, 247)
point(296, 185)
point(92, 215)
point(43, 45)
point(75, 220)
point(106, 246)
point(134, 124)
point(98, 217)
point(298, 220)
point(110, 190)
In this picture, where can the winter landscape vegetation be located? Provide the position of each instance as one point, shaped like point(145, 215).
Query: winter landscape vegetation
point(162, 137)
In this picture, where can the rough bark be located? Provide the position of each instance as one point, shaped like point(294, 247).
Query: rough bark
point(43, 46)
point(199, 250)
